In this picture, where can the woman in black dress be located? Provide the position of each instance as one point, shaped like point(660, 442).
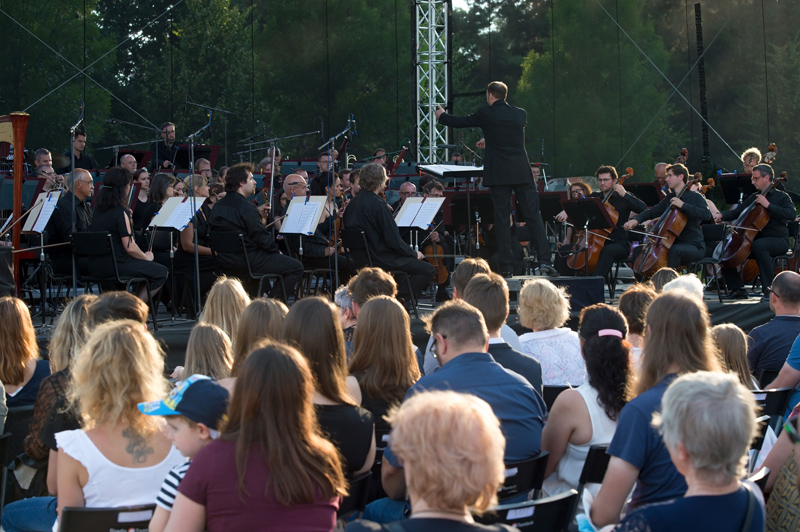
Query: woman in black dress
point(141, 176)
point(111, 215)
point(184, 257)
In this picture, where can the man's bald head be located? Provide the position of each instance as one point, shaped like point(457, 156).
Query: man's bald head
point(128, 161)
point(786, 286)
point(294, 185)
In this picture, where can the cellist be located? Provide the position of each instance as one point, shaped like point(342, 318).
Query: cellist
point(689, 246)
point(772, 240)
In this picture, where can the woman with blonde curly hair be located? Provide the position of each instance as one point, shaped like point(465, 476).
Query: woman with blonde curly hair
point(120, 457)
point(225, 304)
point(452, 450)
point(544, 307)
point(21, 369)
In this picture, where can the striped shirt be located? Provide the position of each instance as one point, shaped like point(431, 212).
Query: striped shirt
point(169, 489)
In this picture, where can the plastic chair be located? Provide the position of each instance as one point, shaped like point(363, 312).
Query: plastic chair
point(127, 518)
point(356, 499)
point(523, 477)
point(552, 514)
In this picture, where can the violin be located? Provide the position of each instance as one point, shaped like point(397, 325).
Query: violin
point(710, 184)
point(664, 233)
point(434, 254)
point(735, 249)
point(593, 242)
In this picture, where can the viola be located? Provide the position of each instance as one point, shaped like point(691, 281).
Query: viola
point(595, 240)
point(735, 249)
point(661, 237)
point(434, 255)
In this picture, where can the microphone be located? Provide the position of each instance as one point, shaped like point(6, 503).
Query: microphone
point(446, 146)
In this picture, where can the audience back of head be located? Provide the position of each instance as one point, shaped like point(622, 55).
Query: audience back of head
point(262, 319)
point(543, 305)
point(465, 271)
point(208, 352)
point(226, 301)
point(17, 340)
point(119, 305)
point(459, 324)
point(71, 332)
point(689, 282)
point(732, 344)
point(489, 294)
point(369, 283)
point(662, 277)
point(633, 304)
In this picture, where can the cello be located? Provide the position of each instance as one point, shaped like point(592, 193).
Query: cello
point(664, 233)
point(734, 250)
point(593, 242)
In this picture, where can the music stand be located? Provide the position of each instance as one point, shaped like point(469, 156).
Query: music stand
point(735, 186)
point(647, 192)
point(590, 214)
point(549, 207)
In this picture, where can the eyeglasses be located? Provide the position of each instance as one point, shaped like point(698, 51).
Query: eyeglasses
point(791, 429)
point(434, 350)
point(408, 194)
point(205, 171)
point(771, 291)
point(296, 183)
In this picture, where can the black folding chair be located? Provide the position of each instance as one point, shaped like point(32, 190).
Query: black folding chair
point(549, 394)
point(594, 470)
point(127, 518)
point(356, 499)
point(773, 403)
point(232, 242)
point(5, 459)
point(552, 514)
point(98, 247)
point(524, 477)
point(358, 253)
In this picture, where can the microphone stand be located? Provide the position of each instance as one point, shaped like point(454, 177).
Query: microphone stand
point(72, 133)
point(331, 221)
point(210, 109)
point(118, 146)
point(191, 139)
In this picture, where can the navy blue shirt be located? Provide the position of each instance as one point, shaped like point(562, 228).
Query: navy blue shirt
point(515, 403)
point(639, 444)
point(698, 514)
point(769, 344)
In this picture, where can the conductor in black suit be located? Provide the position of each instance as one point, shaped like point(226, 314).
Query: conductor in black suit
point(369, 213)
point(505, 169)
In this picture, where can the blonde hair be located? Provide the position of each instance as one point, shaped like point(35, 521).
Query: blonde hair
point(195, 181)
point(120, 366)
point(732, 344)
point(662, 277)
point(383, 351)
point(543, 305)
point(261, 320)
point(451, 447)
point(17, 340)
point(677, 334)
point(71, 332)
point(208, 352)
point(226, 302)
point(713, 416)
point(751, 152)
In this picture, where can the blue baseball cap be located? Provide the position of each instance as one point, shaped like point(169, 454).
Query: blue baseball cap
point(198, 398)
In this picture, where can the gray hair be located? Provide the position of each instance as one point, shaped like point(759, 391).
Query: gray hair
point(69, 180)
point(713, 415)
point(343, 299)
point(689, 283)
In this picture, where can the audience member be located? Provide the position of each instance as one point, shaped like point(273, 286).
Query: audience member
point(208, 353)
point(21, 369)
point(544, 307)
point(120, 456)
point(271, 469)
point(789, 376)
point(688, 282)
point(463, 274)
point(587, 415)
point(452, 448)
point(731, 341)
point(770, 343)
point(347, 317)
point(118, 305)
point(783, 482)
point(383, 361)
point(662, 277)
point(194, 410)
point(677, 342)
point(633, 304)
point(489, 294)
point(461, 341)
point(313, 328)
point(262, 319)
point(225, 304)
point(707, 422)
point(369, 283)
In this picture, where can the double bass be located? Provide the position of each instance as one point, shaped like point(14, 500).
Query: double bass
point(595, 240)
point(734, 250)
point(664, 233)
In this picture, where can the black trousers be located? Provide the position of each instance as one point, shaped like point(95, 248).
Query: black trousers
point(528, 212)
point(420, 274)
point(262, 263)
point(611, 252)
point(763, 250)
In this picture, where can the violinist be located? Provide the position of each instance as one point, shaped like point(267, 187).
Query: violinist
point(689, 246)
point(407, 190)
point(772, 240)
point(440, 237)
point(293, 185)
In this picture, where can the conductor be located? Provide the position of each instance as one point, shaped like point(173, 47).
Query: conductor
point(505, 169)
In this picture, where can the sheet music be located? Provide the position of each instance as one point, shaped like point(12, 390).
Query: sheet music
point(32, 223)
point(303, 215)
point(408, 211)
point(427, 211)
point(176, 213)
point(47, 211)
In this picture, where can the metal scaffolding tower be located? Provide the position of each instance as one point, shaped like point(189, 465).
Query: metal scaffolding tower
point(433, 73)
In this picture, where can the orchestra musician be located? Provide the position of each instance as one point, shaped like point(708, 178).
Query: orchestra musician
point(506, 169)
point(234, 213)
point(440, 236)
point(612, 192)
point(660, 181)
point(689, 246)
point(577, 190)
point(772, 240)
point(166, 150)
point(750, 158)
point(368, 212)
point(59, 227)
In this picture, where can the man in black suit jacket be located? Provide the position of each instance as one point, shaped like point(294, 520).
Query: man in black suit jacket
point(369, 213)
point(489, 294)
point(506, 169)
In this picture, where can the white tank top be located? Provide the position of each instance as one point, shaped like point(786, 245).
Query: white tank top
point(110, 484)
point(568, 472)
